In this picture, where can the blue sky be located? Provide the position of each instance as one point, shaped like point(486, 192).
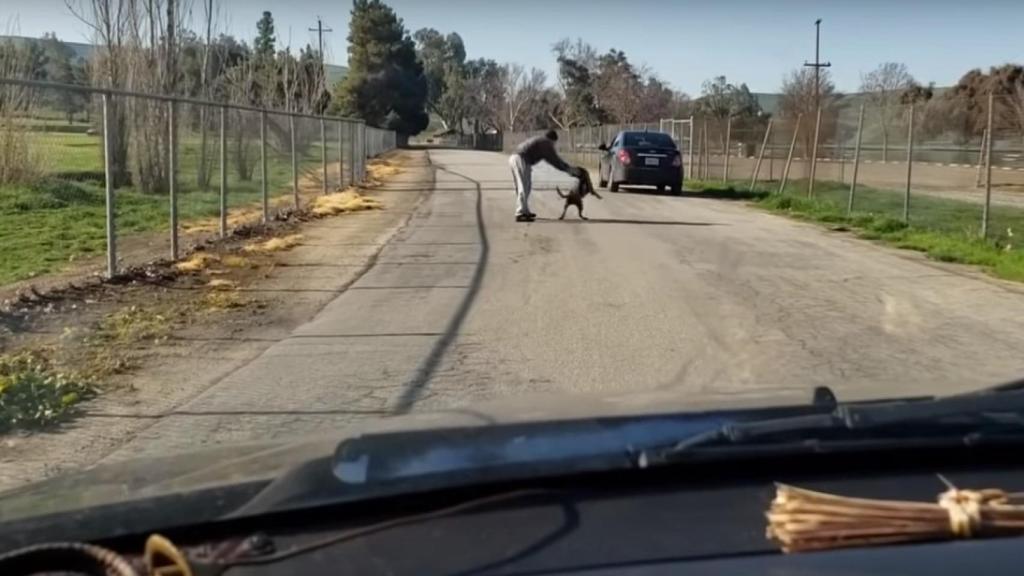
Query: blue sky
point(684, 42)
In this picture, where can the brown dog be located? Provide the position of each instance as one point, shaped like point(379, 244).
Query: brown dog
point(575, 196)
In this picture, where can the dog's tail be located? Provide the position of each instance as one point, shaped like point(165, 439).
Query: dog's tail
point(559, 191)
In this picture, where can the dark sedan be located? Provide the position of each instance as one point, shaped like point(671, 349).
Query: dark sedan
point(644, 158)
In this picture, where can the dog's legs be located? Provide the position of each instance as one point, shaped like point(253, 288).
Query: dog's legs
point(580, 208)
point(562, 217)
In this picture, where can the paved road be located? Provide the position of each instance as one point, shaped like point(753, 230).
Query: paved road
point(706, 297)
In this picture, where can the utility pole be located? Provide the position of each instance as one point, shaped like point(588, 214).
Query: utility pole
point(320, 42)
point(817, 64)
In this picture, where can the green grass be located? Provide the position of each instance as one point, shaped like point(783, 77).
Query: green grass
point(46, 225)
point(944, 229)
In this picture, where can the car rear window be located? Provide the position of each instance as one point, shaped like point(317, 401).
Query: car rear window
point(654, 139)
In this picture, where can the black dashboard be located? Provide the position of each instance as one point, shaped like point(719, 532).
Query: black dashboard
point(692, 519)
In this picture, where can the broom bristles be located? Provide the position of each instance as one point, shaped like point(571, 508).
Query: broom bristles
point(803, 520)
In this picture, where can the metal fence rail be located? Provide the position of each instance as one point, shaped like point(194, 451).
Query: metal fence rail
point(85, 170)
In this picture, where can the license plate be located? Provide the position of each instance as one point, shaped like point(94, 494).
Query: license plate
point(650, 161)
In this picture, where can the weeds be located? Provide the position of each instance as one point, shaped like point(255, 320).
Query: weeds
point(34, 395)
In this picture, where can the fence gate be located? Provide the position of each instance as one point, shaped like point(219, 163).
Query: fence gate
point(681, 130)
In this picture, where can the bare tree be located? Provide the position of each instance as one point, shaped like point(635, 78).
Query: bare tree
point(109, 21)
point(19, 164)
point(798, 98)
point(883, 87)
point(522, 91)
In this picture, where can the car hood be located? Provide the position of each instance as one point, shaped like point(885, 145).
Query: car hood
point(515, 431)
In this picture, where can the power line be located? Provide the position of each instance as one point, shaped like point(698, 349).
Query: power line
point(817, 64)
point(320, 29)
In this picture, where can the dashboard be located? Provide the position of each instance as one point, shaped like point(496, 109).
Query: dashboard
point(680, 519)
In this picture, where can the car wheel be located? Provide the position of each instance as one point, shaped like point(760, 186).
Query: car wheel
point(661, 188)
point(677, 188)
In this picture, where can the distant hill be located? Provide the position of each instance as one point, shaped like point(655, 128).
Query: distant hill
point(769, 101)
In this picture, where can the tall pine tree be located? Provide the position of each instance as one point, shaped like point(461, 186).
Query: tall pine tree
point(385, 85)
point(265, 39)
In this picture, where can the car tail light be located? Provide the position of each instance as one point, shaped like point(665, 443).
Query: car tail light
point(624, 157)
point(677, 161)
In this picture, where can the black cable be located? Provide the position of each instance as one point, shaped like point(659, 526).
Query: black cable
point(381, 526)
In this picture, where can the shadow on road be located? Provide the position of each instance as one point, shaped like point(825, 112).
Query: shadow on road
point(713, 194)
point(414, 388)
point(570, 220)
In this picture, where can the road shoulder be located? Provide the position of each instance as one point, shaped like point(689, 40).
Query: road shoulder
point(287, 289)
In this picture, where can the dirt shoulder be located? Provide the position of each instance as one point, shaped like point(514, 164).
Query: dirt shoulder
point(164, 335)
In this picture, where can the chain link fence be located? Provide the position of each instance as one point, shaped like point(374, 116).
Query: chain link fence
point(137, 177)
point(939, 165)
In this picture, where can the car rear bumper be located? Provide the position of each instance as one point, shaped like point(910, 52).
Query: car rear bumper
point(649, 176)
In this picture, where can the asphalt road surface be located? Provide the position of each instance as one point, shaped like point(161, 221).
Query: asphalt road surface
point(709, 298)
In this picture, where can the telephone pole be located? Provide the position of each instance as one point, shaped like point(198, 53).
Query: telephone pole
point(817, 64)
point(320, 29)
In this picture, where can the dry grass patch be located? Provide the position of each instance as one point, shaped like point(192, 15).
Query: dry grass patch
point(274, 244)
point(346, 201)
point(197, 262)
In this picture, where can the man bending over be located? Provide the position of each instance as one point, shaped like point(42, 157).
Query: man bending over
point(527, 154)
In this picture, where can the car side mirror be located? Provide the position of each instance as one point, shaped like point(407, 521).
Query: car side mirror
point(603, 147)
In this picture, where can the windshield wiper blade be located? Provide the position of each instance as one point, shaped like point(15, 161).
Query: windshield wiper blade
point(1001, 409)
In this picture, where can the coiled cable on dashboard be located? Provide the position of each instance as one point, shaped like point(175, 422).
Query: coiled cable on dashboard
point(65, 557)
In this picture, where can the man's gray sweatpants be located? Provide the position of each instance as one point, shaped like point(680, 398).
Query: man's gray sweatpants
point(521, 174)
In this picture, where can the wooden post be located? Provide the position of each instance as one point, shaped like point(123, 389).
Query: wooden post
point(760, 156)
point(856, 161)
point(728, 142)
point(981, 158)
point(910, 165)
point(988, 171)
point(789, 158)
point(814, 155)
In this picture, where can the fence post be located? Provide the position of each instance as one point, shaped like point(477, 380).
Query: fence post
point(988, 171)
point(728, 142)
point(814, 155)
point(263, 166)
point(351, 153)
point(172, 148)
point(223, 172)
point(108, 183)
point(323, 152)
point(856, 161)
point(295, 161)
point(789, 158)
point(689, 166)
point(981, 158)
point(705, 151)
point(341, 156)
point(760, 156)
point(910, 164)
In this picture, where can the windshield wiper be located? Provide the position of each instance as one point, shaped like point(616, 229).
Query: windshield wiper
point(970, 415)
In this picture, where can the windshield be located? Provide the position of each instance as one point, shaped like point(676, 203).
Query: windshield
point(642, 139)
point(241, 226)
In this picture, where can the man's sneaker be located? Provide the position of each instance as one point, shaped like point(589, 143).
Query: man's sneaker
point(525, 217)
